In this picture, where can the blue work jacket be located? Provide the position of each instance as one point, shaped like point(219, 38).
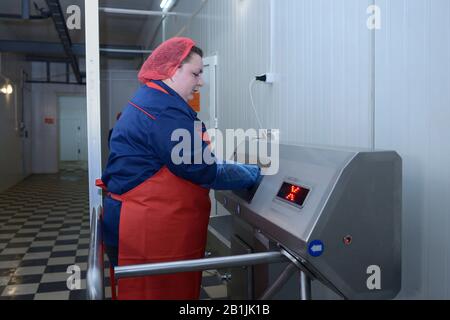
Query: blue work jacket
point(141, 145)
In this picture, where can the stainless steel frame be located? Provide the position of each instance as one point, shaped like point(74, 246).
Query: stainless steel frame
point(354, 194)
point(95, 273)
point(199, 265)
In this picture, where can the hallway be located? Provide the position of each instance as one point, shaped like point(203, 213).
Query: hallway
point(44, 229)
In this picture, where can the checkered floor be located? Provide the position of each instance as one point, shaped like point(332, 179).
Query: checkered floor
point(44, 229)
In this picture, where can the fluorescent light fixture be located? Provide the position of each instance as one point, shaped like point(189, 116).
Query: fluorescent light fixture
point(166, 5)
point(7, 89)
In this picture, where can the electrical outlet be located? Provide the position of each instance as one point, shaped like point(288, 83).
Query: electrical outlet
point(270, 77)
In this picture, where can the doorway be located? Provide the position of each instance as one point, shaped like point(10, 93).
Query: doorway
point(73, 150)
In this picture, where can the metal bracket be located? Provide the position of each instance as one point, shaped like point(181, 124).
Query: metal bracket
point(300, 264)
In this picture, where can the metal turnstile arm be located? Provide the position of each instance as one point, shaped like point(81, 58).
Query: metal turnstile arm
point(199, 265)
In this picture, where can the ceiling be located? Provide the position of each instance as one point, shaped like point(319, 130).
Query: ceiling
point(115, 30)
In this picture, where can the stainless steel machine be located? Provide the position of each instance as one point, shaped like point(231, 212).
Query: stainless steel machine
point(324, 214)
point(335, 213)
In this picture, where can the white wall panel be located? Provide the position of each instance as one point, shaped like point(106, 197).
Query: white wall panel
point(322, 57)
point(413, 112)
point(238, 32)
point(323, 51)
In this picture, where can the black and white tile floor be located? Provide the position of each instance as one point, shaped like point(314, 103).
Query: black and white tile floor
point(44, 229)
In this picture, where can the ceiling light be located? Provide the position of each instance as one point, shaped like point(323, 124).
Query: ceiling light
point(7, 89)
point(166, 5)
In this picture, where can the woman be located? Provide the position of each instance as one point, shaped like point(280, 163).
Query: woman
point(156, 210)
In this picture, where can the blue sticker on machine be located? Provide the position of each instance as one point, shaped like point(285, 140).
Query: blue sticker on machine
point(316, 248)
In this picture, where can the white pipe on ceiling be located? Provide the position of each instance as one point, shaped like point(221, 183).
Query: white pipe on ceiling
point(125, 50)
point(140, 12)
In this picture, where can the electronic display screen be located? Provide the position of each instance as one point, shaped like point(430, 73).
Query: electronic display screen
point(293, 194)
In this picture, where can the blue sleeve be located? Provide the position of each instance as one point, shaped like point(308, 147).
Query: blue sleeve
point(235, 176)
point(188, 156)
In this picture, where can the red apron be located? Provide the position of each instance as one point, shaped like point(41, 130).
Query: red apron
point(164, 219)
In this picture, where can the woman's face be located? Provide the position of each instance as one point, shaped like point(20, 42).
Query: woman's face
point(188, 78)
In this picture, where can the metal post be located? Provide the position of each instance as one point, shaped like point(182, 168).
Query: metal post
point(93, 101)
point(305, 287)
point(250, 287)
point(164, 26)
point(26, 9)
point(279, 283)
point(198, 265)
point(113, 50)
point(95, 273)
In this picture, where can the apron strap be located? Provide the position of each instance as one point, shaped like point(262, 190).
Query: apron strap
point(99, 183)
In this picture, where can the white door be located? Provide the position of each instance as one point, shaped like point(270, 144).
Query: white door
point(69, 136)
point(208, 113)
point(72, 129)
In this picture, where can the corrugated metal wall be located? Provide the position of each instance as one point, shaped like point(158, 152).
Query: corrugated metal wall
point(331, 76)
point(237, 31)
point(322, 55)
point(323, 58)
point(413, 116)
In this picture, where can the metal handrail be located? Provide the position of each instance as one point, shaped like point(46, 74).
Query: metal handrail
point(199, 265)
point(95, 273)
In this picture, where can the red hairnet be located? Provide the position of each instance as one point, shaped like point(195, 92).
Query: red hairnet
point(165, 60)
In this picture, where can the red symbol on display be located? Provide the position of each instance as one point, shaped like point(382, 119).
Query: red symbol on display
point(293, 195)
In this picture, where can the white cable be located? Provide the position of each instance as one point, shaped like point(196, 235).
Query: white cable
point(252, 83)
point(272, 34)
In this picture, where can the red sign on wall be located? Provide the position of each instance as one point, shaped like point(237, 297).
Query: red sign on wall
point(49, 120)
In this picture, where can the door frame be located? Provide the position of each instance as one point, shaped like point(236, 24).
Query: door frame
point(93, 97)
point(58, 122)
point(212, 62)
